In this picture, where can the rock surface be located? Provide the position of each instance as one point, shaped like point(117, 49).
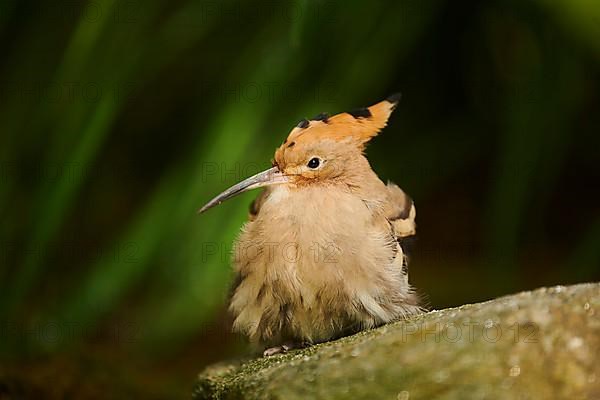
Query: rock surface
point(543, 344)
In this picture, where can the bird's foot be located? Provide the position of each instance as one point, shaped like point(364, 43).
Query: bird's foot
point(284, 348)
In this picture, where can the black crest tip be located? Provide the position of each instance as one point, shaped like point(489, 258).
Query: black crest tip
point(303, 124)
point(360, 113)
point(394, 99)
point(321, 117)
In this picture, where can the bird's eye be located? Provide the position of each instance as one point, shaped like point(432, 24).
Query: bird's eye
point(314, 163)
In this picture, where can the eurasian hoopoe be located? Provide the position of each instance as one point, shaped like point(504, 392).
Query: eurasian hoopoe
point(321, 256)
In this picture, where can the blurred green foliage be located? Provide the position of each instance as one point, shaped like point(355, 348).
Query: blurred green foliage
point(118, 119)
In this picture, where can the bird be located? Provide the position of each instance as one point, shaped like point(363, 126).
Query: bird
point(324, 251)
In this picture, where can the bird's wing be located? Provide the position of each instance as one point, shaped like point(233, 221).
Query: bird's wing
point(401, 213)
point(257, 203)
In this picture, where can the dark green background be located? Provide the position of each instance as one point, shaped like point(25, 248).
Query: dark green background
point(119, 119)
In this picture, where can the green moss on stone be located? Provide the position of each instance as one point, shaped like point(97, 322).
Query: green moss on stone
point(532, 345)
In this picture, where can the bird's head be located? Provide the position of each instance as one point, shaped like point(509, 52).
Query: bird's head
point(321, 150)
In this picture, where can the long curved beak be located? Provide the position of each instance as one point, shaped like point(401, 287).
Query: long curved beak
point(272, 176)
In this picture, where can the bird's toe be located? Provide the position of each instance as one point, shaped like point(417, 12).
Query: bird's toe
point(284, 348)
point(271, 351)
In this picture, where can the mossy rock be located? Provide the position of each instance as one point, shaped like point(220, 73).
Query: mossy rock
point(543, 344)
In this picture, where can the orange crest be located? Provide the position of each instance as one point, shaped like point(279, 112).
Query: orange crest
point(357, 126)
